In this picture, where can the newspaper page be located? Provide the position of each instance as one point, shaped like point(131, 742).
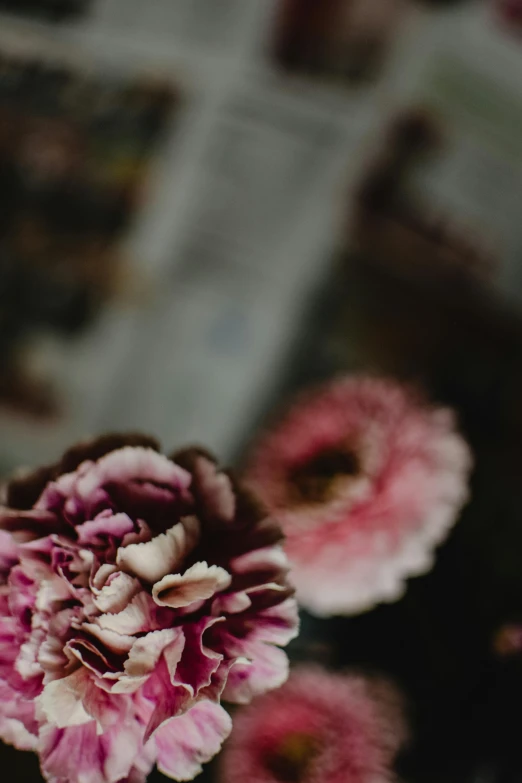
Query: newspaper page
point(206, 23)
point(78, 146)
point(450, 156)
point(240, 202)
point(252, 250)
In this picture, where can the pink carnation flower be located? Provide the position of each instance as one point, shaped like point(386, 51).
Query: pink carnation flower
point(319, 727)
point(136, 592)
point(366, 481)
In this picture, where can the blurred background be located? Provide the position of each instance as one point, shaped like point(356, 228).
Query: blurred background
point(206, 205)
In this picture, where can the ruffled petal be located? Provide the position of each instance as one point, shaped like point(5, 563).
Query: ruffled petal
point(198, 583)
point(214, 490)
point(199, 662)
point(62, 700)
point(8, 554)
point(117, 592)
point(277, 625)
point(164, 554)
point(79, 754)
point(267, 668)
point(166, 699)
point(132, 464)
point(95, 532)
point(185, 743)
point(140, 616)
point(18, 725)
point(144, 657)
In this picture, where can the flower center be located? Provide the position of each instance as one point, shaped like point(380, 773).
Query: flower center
point(315, 481)
point(290, 762)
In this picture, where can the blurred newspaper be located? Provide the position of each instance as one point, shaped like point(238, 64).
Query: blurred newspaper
point(254, 184)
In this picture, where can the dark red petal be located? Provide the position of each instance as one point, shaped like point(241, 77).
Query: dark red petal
point(23, 492)
point(186, 458)
point(33, 524)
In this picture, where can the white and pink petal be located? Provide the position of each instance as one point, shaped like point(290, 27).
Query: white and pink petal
point(198, 583)
point(152, 560)
point(185, 743)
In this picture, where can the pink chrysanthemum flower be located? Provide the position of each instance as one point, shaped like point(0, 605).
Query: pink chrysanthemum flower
point(366, 480)
point(319, 727)
point(136, 592)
